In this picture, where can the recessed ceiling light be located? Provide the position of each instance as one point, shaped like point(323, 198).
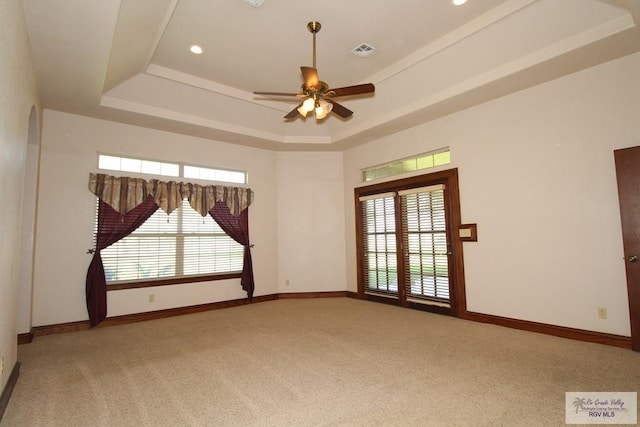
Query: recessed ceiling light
point(459, 2)
point(255, 3)
point(195, 49)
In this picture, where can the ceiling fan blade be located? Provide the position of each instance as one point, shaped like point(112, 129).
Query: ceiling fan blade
point(352, 90)
point(276, 94)
point(293, 113)
point(339, 109)
point(310, 76)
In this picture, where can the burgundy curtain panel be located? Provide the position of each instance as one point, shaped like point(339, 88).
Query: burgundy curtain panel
point(237, 227)
point(112, 227)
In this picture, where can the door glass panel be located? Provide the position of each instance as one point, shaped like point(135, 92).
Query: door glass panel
point(425, 238)
point(381, 258)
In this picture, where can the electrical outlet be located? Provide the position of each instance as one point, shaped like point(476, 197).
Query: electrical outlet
point(152, 297)
point(602, 313)
point(287, 282)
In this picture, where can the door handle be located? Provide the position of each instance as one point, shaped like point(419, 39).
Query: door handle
point(632, 258)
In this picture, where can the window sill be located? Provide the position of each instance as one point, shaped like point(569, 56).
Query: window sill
point(173, 281)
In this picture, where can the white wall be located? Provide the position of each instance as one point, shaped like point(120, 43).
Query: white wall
point(311, 246)
point(537, 175)
point(70, 145)
point(17, 97)
point(296, 221)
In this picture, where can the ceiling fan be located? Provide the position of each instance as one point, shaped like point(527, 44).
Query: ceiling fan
point(318, 96)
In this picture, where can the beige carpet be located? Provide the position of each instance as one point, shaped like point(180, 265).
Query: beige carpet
point(310, 362)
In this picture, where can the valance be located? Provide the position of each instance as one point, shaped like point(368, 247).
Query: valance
point(125, 193)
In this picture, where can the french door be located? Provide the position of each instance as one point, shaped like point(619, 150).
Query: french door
point(407, 250)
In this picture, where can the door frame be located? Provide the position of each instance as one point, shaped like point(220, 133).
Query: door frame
point(449, 178)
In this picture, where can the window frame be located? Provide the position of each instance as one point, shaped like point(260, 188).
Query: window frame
point(456, 269)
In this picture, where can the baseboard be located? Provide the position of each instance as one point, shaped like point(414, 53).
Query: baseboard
point(543, 328)
point(61, 328)
point(299, 295)
point(25, 338)
point(160, 314)
point(558, 331)
point(8, 389)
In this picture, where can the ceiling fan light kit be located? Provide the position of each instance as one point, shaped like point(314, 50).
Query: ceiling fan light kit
point(318, 96)
point(320, 106)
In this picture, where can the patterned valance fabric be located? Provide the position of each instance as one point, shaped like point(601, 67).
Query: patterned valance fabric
point(124, 194)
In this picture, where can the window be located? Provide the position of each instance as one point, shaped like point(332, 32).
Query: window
point(181, 245)
point(420, 162)
point(406, 250)
point(126, 164)
point(210, 174)
point(152, 167)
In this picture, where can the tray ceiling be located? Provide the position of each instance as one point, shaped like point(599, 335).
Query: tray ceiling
point(129, 60)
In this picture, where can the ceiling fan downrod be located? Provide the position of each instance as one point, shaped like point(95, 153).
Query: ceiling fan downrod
point(314, 27)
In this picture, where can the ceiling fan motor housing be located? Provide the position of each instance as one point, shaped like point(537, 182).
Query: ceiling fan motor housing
point(319, 89)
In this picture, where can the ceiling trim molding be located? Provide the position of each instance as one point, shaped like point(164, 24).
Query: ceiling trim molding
point(211, 86)
point(163, 27)
point(136, 107)
point(318, 140)
point(484, 21)
point(494, 75)
point(634, 9)
point(615, 30)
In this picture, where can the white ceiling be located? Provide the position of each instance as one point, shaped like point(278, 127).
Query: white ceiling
point(129, 60)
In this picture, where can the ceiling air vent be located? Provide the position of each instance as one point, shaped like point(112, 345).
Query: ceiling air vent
point(363, 50)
